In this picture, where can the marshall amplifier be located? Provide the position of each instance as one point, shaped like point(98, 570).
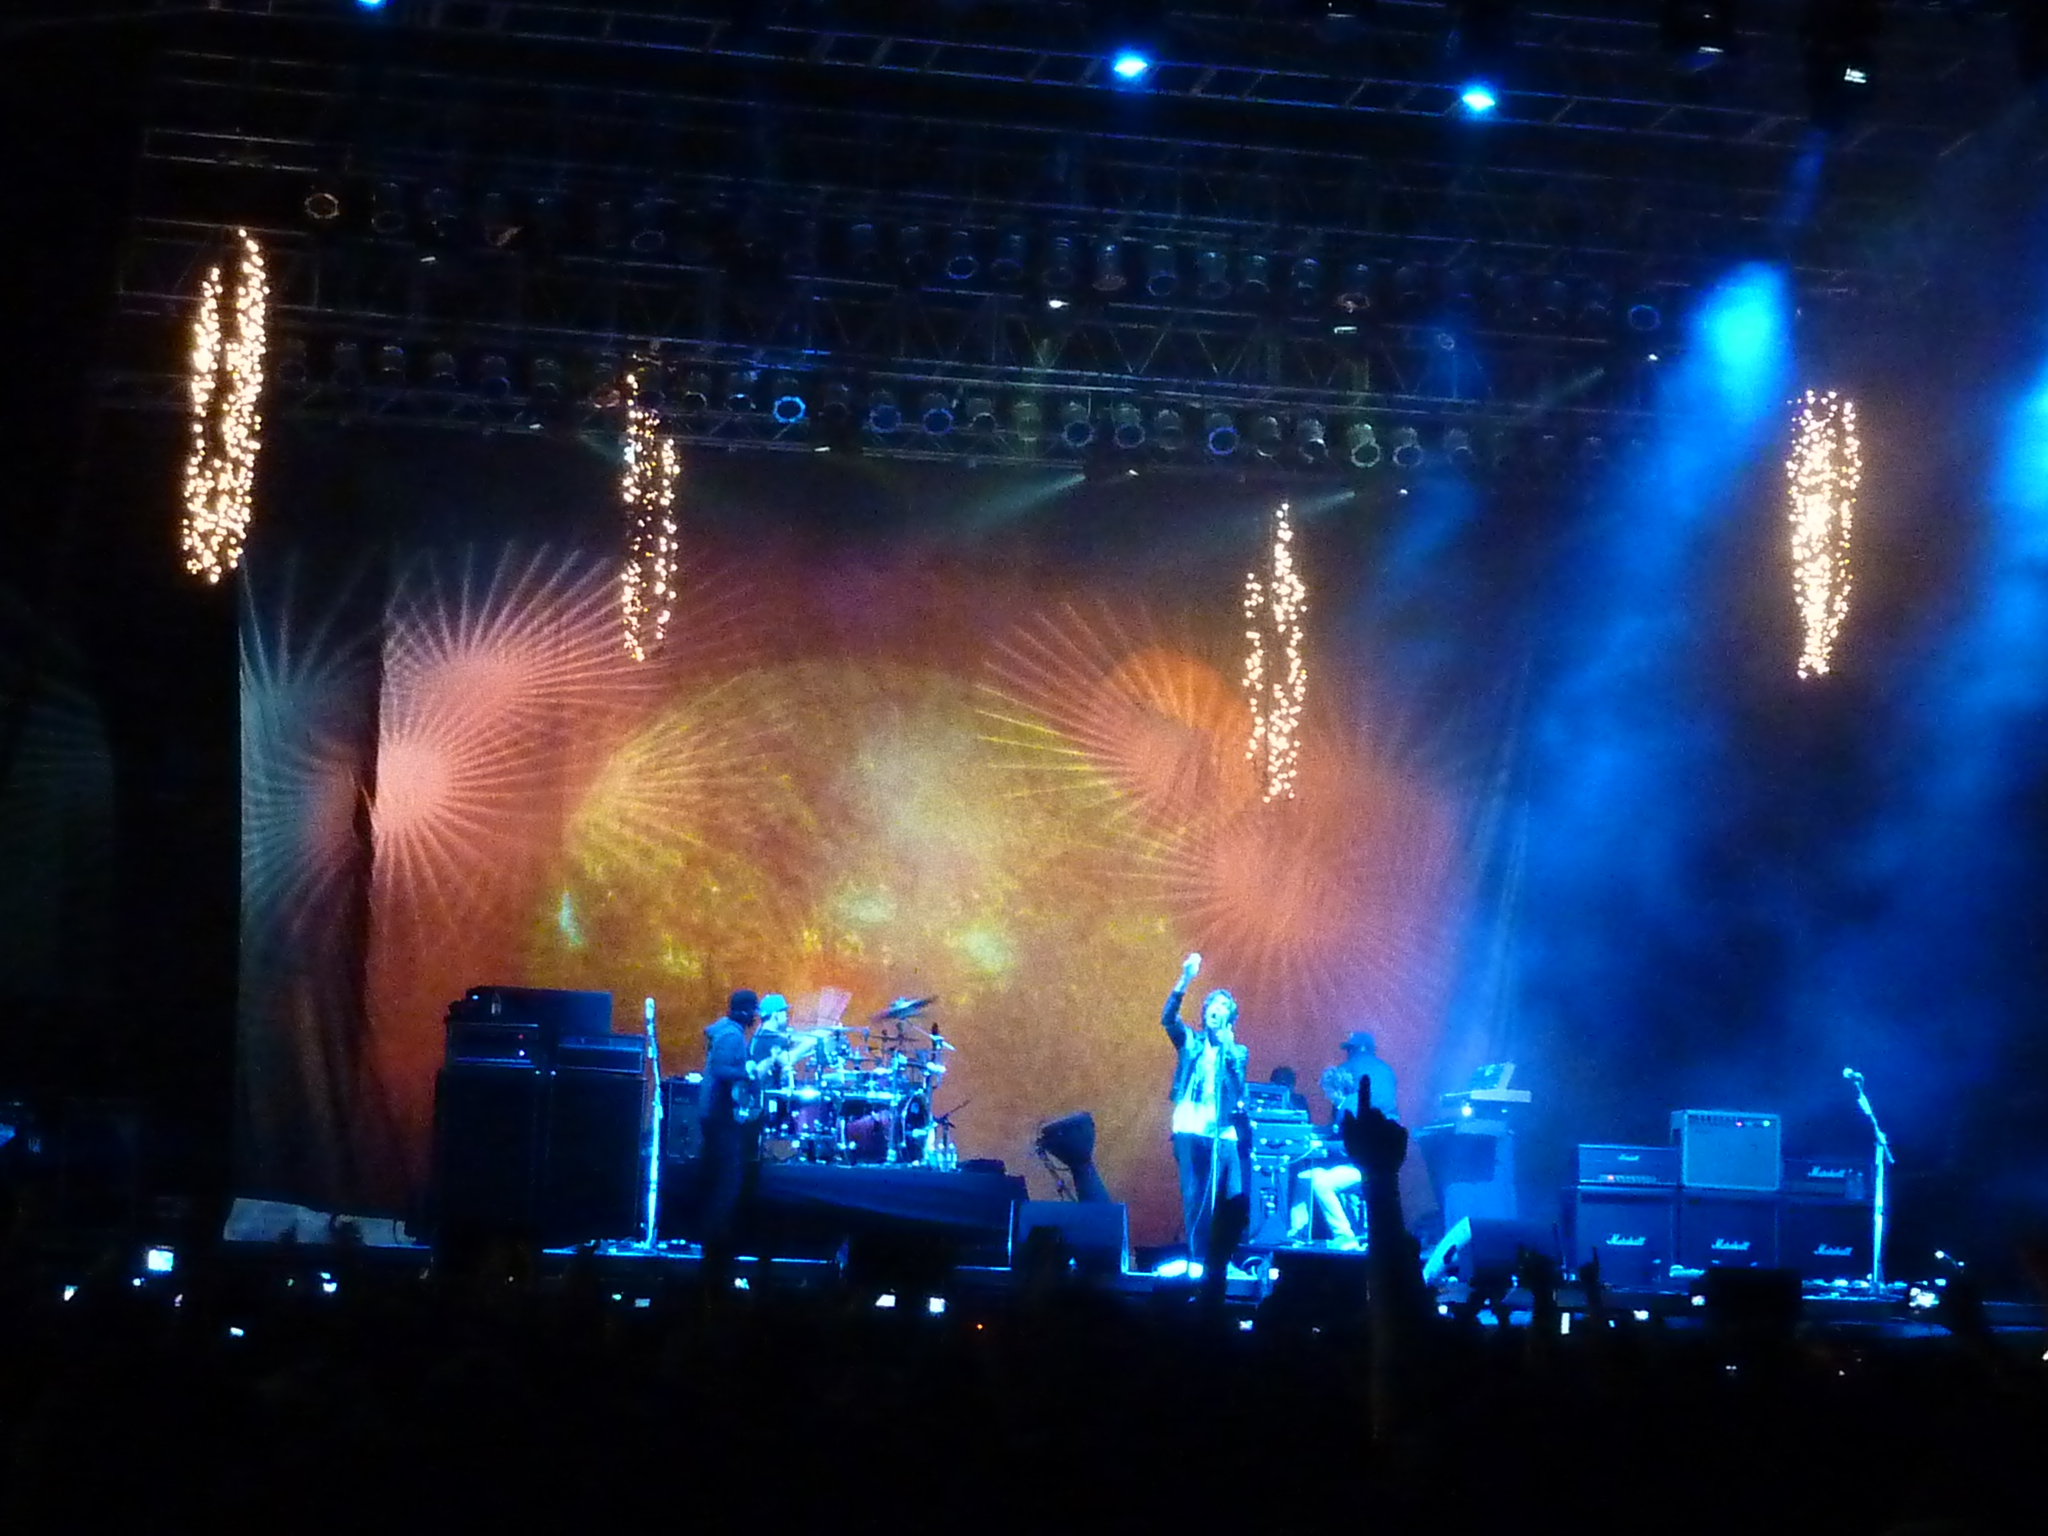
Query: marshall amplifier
point(1727, 1232)
point(1628, 1167)
point(1630, 1231)
point(1729, 1149)
point(1825, 1239)
point(487, 1043)
point(1827, 1178)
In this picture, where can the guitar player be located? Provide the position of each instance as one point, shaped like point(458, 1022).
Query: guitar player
point(730, 1077)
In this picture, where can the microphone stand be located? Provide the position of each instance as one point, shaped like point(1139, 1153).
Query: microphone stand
point(654, 1132)
point(1883, 1160)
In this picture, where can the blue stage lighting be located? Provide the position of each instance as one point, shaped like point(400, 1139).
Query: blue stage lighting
point(369, 5)
point(1130, 66)
point(1478, 98)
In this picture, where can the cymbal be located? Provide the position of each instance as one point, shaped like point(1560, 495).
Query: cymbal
point(902, 1008)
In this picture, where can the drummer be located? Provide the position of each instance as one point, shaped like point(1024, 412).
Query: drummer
point(773, 1034)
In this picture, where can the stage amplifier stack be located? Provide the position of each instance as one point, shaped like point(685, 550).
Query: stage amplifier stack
point(539, 1117)
point(1721, 1195)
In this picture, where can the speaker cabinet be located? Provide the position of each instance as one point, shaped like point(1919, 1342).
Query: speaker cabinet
point(1825, 1239)
point(1728, 1231)
point(1630, 1231)
point(489, 1133)
point(595, 1178)
point(1096, 1236)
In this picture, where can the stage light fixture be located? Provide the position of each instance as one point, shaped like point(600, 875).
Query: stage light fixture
point(790, 407)
point(884, 414)
point(442, 209)
point(607, 226)
point(1109, 266)
point(1265, 436)
point(1129, 429)
point(607, 383)
point(1027, 421)
point(322, 206)
point(650, 225)
point(291, 367)
point(1310, 440)
point(935, 414)
point(1553, 303)
point(387, 209)
point(1060, 261)
point(741, 386)
point(1169, 431)
point(1013, 249)
point(1306, 277)
point(914, 251)
point(1255, 275)
point(696, 395)
point(494, 377)
point(1212, 274)
point(1593, 452)
point(1407, 448)
point(1076, 430)
point(1411, 284)
point(837, 409)
point(1838, 49)
point(345, 365)
point(1362, 446)
point(980, 412)
point(1458, 448)
point(391, 364)
point(1354, 293)
point(1697, 32)
point(1131, 65)
point(1596, 304)
point(961, 261)
point(442, 372)
point(1219, 434)
point(500, 225)
point(863, 248)
point(1162, 271)
point(369, 5)
point(1644, 317)
point(1481, 42)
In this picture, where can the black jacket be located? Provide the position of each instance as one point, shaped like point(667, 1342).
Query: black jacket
point(1187, 1046)
point(725, 1063)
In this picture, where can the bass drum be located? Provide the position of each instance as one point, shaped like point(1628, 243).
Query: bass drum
point(870, 1136)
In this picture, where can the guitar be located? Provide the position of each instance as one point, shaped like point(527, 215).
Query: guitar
point(747, 1092)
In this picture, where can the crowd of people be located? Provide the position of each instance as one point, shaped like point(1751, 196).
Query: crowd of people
point(322, 1387)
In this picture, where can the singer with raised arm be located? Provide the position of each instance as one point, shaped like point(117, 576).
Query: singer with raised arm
point(1210, 1124)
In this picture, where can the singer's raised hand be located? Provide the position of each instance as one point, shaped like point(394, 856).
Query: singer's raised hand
point(1190, 968)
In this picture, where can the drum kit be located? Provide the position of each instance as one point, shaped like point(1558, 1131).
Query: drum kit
point(863, 1094)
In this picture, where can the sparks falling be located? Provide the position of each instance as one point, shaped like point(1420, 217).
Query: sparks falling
point(1824, 471)
point(648, 489)
point(226, 381)
point(1276, 690)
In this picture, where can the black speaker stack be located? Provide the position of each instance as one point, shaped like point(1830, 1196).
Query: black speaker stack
point(540, 1119)
point(1720, 1197)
